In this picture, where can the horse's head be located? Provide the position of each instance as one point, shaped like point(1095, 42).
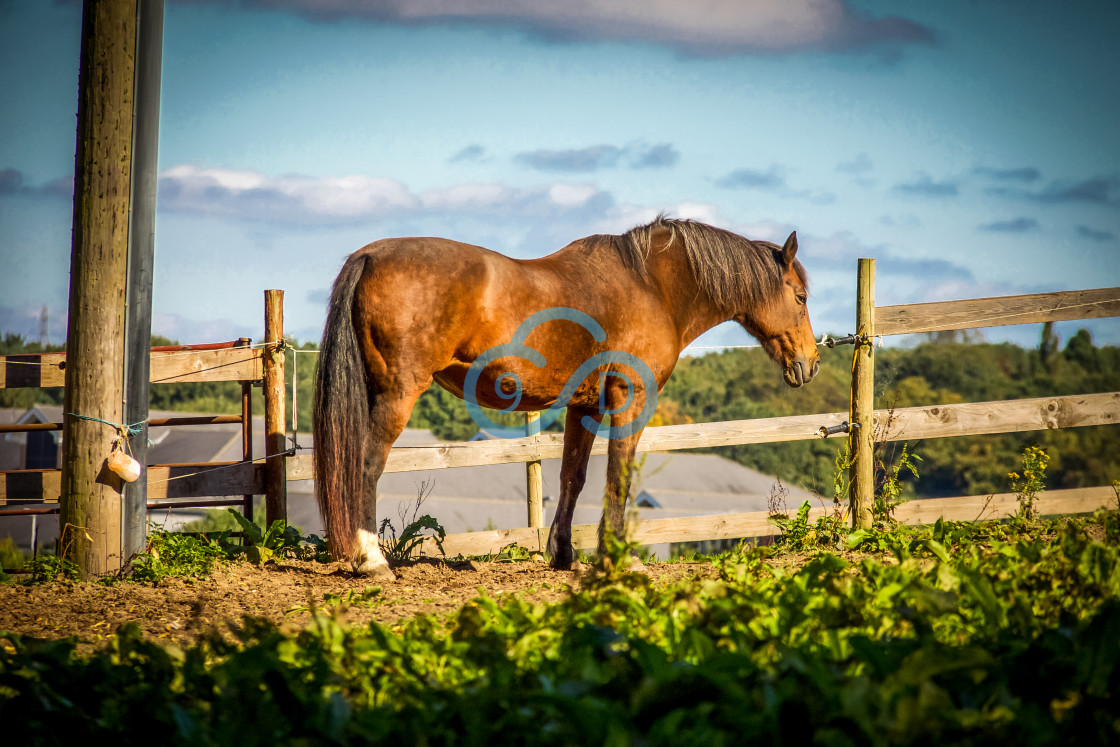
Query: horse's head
point(781, 321)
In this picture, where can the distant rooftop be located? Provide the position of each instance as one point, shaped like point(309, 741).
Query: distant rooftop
point(464, 499)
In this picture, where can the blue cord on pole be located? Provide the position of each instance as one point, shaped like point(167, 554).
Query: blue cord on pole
point(132, 430)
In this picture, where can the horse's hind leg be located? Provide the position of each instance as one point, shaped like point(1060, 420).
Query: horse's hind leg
point(388, 416)
point(573, 473)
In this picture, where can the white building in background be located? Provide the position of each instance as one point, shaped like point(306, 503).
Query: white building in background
point(461, 499)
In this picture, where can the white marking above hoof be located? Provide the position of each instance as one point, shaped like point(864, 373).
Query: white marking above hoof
point(369, 561)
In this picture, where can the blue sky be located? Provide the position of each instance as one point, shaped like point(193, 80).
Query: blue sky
point(971, 148)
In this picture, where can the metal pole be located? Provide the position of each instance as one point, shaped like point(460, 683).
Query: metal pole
point(246, 433)
point(141, 258)
point(861, 440)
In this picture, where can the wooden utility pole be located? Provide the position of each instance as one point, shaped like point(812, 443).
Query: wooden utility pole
point(275, 468)
point(861, 440)
point(90, 502)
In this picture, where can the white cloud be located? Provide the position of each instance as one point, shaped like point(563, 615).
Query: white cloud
point(348, 196)
point(224, 178)
point(571, 194)
point(465, 196)
point(705, 27)
point(697, 211)
point(296, 200)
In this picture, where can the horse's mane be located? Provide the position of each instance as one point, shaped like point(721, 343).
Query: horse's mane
point(735, 272)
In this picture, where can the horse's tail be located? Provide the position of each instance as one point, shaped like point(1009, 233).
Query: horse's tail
point(341, 416)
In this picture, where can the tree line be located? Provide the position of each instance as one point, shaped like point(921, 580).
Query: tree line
point(744, 384)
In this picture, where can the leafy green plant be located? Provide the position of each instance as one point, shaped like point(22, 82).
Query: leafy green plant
point(214, 521)
point(10, 557)
point(840, 480)
point(47, 568)
point(172, 554)
point(278, 541)
point(1031, 482)
point(962, 638)
point(511, 553)
point(368, 597)
point(412, 537)
point(889, 494)
point(798, 535)
point(795, 530)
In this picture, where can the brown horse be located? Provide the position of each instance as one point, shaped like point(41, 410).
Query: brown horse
point(409, 310)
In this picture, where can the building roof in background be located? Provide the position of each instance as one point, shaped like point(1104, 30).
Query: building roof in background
point(464, 499)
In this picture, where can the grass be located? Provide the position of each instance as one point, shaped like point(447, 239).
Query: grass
point(958, 634)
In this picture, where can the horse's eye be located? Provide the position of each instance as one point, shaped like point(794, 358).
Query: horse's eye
point(802, 298)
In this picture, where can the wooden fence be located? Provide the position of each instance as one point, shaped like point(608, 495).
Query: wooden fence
point(37, 491)
point(192, 481)
point(936, 421)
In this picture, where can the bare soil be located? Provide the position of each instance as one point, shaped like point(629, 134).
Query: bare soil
point(184, 610)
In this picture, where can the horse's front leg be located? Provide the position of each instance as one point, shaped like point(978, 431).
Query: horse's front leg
point(573, 473)
point(620, 474)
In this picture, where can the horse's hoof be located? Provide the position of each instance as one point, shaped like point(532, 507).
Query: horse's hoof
point(636, 565)
point(376, 571)
point(565, 565)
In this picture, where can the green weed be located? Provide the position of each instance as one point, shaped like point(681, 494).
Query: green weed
point(511, 553)
point(412, 537)
point(10, 557)
point(174, 555)
point(48, 568)
point(972, 634)
point(278, 541)
point(368, 597)
point(890, 491)
point(1031, 482)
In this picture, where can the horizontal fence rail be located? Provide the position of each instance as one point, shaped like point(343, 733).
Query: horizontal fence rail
point(168, 483)
point(152, 422)
point(999, 311)
point(31, 486)
point(37, 491)
point(913, 423)
point(757, 523)
point(908, 423)
point(167, 366)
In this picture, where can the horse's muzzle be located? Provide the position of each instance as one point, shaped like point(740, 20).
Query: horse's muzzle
point(802, 371)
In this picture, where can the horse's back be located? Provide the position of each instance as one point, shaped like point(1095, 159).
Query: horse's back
point(424, 259)
point(421, 301)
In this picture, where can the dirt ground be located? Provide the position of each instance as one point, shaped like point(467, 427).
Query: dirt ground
point(181, 611)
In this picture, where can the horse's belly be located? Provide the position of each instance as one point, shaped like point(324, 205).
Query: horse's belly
point(539, 388)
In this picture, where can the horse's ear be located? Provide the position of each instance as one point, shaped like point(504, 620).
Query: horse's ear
point(789, 251)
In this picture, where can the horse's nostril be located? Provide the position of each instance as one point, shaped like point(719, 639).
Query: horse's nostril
point(816, 367)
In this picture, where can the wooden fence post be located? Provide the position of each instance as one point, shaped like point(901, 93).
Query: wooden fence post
point(275, 469)
point(861, 441)
point(90, 502)
point(534, 480)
